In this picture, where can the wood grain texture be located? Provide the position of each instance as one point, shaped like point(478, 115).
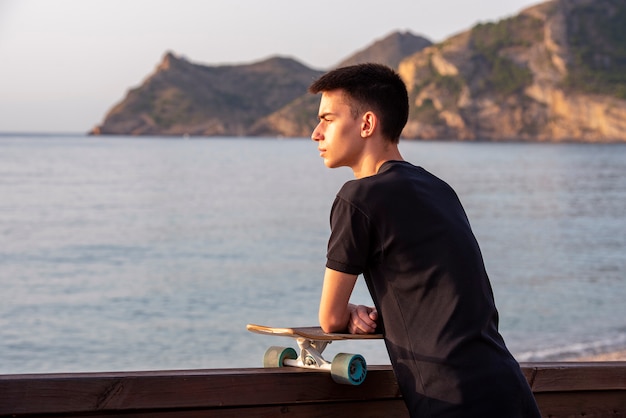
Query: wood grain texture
point(561, 389)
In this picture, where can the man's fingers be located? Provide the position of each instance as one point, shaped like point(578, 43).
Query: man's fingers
point(365, 314)
point(361, 321)
point(373, 315)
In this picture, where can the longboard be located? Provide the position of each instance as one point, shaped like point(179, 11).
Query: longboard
point(345, 368)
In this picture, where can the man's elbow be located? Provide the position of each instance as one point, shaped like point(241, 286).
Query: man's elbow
point(333, 324)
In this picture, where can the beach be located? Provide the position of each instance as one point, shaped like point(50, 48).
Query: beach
point(611, 356)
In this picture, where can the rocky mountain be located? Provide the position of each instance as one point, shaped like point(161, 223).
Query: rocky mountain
point(390, 50)
point(182, 98)
point(265, 98)
point(554, 72)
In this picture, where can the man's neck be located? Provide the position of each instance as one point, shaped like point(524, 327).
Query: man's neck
point(372, 161)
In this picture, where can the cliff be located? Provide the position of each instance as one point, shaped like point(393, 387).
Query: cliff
point(553, 72)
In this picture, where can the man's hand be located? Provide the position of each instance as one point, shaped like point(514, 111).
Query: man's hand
point(362, 319)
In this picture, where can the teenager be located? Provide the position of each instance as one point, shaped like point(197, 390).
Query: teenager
point(407, 233)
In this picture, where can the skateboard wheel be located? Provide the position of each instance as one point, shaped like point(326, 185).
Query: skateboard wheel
point(276, 356)
point(348, 369)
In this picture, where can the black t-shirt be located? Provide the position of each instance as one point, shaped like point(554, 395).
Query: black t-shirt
point(406, 231)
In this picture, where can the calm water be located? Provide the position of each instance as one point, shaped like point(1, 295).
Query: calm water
point(139, 254)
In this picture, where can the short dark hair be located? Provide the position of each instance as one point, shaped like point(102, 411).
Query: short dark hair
point(374, 87)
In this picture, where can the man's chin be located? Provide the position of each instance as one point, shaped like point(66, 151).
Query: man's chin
point(332, 164)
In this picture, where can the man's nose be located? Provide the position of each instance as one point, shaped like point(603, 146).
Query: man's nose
point(316, 136)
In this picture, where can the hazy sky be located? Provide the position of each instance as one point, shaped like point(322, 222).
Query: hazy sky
point(64, 63)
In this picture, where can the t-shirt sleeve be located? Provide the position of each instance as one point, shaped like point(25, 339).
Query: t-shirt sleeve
point(349, 238)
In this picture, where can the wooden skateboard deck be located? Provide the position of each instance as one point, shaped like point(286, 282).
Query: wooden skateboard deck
point(311, 333)
point(345, 368)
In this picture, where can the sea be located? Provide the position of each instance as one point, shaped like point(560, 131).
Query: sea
point(126, 253)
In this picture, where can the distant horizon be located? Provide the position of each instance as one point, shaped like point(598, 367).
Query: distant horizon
point(42, 133)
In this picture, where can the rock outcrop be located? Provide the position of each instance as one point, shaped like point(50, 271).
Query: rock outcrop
point(554, 72)
point(183, 98)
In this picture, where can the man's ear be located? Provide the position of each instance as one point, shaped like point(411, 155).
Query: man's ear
point(369, 124)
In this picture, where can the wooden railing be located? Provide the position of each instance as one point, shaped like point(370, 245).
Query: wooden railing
point(561, 389)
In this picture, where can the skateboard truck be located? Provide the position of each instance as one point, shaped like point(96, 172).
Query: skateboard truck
point(311, 353)
point(348, 369)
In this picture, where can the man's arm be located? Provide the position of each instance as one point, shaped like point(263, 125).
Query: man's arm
point(336, 313)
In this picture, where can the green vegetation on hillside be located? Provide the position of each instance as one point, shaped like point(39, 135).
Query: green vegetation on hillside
point(426, 113)
point(597, 40)
point(171, 107)
point(449, 85)
point(488, 41)
point(446, 85)
point(448, 90)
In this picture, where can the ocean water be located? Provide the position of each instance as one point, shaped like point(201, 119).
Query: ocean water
point(152, 254)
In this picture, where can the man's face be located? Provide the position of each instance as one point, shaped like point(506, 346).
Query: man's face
point(338, 133)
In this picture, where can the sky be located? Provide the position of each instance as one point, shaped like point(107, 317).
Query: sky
point(65, 63)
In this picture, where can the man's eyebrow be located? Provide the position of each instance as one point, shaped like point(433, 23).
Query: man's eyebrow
point(324, 115)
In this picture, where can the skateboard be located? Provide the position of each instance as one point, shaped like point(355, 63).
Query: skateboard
point(345, 368)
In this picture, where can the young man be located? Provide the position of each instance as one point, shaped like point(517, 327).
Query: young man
point(407, 233)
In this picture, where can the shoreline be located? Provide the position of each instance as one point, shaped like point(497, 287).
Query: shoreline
point(618, 355)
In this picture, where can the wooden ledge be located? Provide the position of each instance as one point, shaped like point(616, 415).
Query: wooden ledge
point(561, 389)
